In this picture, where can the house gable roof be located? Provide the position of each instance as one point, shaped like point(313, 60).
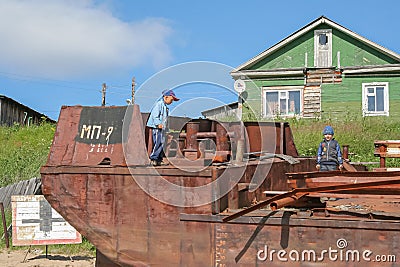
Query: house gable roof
point(307, 28)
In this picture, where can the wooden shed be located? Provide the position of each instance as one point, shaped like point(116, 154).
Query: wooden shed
point(12, 112)
point(220, 112)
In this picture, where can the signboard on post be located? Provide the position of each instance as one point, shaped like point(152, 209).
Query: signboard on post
point(35, 222)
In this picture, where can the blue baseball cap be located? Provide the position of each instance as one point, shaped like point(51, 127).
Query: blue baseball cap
point(170, 93)
point(328, 130)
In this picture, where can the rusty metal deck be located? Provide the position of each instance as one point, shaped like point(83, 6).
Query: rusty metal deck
point(207, 208)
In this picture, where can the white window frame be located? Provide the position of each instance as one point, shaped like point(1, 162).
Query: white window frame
point(318, 51)
point(365, 95)
point(281, 90)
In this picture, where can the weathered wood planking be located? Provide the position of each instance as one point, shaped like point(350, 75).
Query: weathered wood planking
point(26, 187)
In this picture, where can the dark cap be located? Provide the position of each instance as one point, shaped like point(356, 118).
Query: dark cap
point(170, 93)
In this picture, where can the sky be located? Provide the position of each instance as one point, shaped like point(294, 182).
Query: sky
point(60, 52)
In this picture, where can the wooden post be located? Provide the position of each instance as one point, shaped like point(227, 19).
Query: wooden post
point(133, 91)
point(150, 141)
point(3, 217)
point(103, 93)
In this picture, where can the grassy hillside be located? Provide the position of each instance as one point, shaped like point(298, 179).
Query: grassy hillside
point(23, 150)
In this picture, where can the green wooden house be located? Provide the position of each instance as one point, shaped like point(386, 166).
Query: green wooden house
point(321, 70)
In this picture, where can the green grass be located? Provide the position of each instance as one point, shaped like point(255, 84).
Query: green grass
point(23, 151)
point(359, 134)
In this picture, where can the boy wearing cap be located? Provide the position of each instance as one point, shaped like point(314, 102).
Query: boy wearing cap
point(158, 122)
point(329, 156)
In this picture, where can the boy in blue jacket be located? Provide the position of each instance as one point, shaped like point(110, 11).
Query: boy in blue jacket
point(158, 122)
point(329, 156)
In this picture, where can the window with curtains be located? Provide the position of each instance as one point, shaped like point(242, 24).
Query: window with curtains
point(285, 103)
point(375, 99)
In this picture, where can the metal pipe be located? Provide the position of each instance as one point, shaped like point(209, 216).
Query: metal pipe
point(222, 138)
point(282, 137)
point(206, 134)
point(191, 151)
point(150, 141)
point(382, 160)
point(346, 151)
point(192, 128)
point(201, 135)
point(216, 204)
point(280, 203)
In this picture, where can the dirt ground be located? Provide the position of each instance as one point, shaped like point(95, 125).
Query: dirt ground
point(37, 258)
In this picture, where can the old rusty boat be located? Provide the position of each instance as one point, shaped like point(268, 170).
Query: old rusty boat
point(232, 194)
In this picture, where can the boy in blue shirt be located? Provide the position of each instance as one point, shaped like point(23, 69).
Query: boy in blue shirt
point(158, 122)
point(329, 156)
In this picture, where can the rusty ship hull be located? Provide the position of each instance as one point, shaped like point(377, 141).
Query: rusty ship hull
point(108, 196)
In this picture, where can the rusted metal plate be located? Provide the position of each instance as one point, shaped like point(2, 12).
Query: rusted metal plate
point(129, 227)
point(350, 175)
point(34, 222)
point(348, 167)
point(386, 169)
point(321, 179)
point(88, 136)
point(285, 238)
point(126, 225)
point(389, 207)
point(139, 215)
point(271, 137)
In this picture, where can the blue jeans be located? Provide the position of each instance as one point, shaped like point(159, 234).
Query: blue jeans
point(328, 167)
point(158, 144)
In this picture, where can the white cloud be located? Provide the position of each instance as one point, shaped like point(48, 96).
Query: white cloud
point(73, 38)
